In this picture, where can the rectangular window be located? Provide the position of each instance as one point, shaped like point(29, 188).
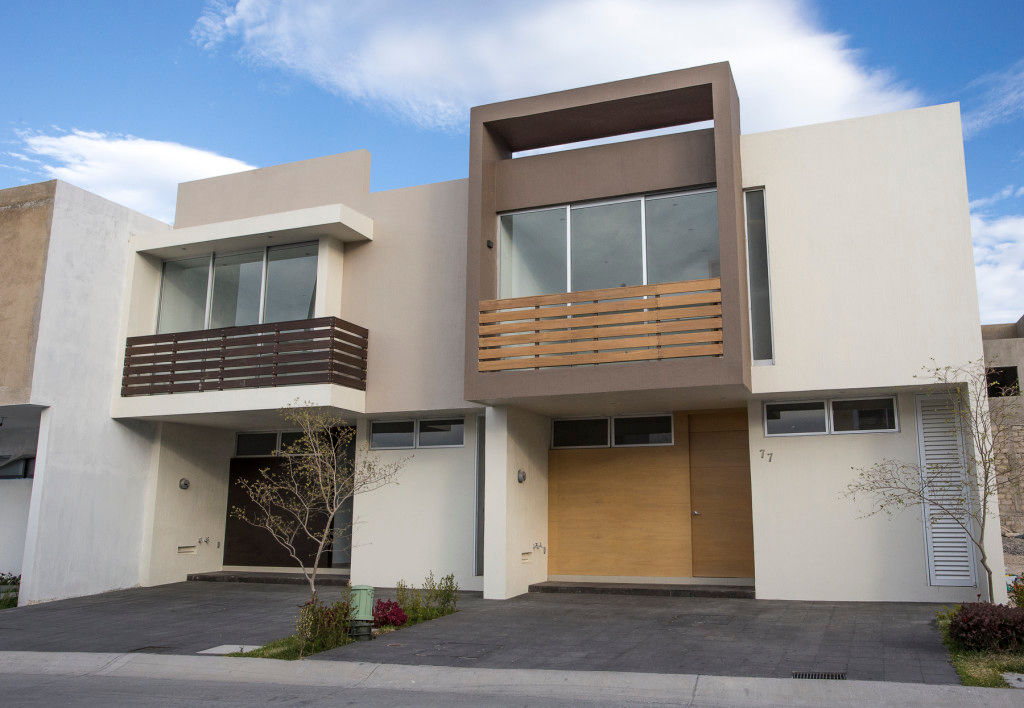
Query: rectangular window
point(274, 284)
point(643, 430)
point(805, 418)
point(533, 253)
point(592, 432)
point(760, 292)
point(864, 415)
point(386, 434)
point(255, 444)
point(607, 246)
point(291, 283)
point(441, 433)
point(183, 291)
point(682, 237)
point(289, 438)
point(659, 238)
point(1002, 381)
point(22, 468)
point(237, 281)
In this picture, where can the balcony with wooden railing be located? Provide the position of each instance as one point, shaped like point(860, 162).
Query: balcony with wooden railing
point(645, 322)
point(315, 351)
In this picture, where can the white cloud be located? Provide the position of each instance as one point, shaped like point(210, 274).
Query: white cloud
point(1007, 192)
point(138, 173)
point(999, 263)
point(1002, 100)
point(429, 62)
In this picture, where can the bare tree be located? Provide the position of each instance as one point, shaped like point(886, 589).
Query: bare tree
point(992, 461)
point(298, 501)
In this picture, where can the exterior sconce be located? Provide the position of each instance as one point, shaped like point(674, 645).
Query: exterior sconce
point(521, 476)
point(183, 483)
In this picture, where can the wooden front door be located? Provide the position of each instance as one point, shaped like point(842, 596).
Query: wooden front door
point(721, 520)
point(249, 545)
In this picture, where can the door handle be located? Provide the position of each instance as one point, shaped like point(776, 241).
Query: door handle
point(696, 513)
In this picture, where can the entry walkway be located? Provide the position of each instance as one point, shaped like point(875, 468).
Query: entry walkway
point(719, 636)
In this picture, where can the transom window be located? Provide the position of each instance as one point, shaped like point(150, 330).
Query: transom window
point(399, 434)
point(622, 431)
point(657, 238)
point(831, 416)
point(273, 284)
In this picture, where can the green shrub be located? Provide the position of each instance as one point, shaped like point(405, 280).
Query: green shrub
point(320, 626)
point(435, 599)
point(9, 585)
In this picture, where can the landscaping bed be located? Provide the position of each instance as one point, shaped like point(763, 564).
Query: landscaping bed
point(322, 626)
point(984, 641)
point(9, 585)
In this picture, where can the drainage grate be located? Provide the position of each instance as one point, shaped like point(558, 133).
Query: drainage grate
point(823, 675)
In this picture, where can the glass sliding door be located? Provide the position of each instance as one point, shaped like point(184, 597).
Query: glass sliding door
point(237, 280)
point(607, 246)
point(682, 237)
point(291, 283)
point(533, 253)
point(183, 292)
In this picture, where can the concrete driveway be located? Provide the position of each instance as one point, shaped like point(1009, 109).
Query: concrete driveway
point(730, 637)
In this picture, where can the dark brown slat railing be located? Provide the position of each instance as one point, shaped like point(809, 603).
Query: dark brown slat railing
point(321, 350)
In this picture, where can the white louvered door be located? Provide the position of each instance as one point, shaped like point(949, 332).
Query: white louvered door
point(950, 550)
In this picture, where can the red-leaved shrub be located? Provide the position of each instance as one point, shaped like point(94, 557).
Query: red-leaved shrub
point(388, 613)
point(985, 627)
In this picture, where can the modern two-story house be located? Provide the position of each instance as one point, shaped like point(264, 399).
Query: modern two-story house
point(659, 358)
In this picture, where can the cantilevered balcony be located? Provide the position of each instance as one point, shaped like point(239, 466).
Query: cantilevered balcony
point(324, 350)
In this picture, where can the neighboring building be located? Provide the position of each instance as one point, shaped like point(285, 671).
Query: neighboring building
point(1004, 358)
point(638, 361)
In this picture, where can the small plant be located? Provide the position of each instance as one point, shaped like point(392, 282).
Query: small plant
point(9, 585)
point(981, 626)
point(1016, 591)
point(435, 599)
point(320, 626)
point(388, 613)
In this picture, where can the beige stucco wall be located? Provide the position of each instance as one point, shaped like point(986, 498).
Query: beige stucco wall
point(25, 217)
point(426, 522)
point(1008, 411)
point(811, 542)
point(333, 179)
point(872, 271)
point(407, 287)
point(516, 514)
point(181, 517)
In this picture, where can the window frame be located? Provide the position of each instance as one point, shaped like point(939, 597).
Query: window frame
point(568, 207)
point(415, 433)
point(895, 415)
point(989, 385)
point(764, 417)
point(211, 258)
point(768, 267)
point(829, 426)
point(671, 429)
point(607, 430)
point(275, 433)
point(416, 437)
point(610, 428)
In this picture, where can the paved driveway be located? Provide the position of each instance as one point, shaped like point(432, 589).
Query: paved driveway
point(885, 641)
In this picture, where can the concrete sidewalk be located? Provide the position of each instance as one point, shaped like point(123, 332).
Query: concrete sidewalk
point(494, 686)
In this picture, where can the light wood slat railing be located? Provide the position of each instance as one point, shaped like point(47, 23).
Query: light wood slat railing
point(321, 350)
point(644, 322)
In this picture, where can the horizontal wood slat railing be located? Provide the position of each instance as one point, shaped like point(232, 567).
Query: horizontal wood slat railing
point(644, 322)
point(321, 350)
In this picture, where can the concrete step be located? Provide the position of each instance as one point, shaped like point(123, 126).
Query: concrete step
point(238, 576)
point(652, 589)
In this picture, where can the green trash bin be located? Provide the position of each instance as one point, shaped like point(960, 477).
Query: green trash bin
point(362, 612)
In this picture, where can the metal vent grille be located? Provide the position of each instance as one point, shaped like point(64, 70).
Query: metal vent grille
point(821, 675)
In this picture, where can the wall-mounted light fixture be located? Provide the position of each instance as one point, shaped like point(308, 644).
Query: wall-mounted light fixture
point(183, 483)
point(521, 476)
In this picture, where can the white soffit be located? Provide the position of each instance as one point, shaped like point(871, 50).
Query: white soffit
point(333, 220)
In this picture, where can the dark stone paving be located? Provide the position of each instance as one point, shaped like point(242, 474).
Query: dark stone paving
point(882, 641)
point(868, 641)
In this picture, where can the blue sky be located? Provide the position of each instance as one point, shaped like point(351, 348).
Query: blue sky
point(127, 98)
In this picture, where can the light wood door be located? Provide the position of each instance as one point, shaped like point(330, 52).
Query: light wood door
point(620, 511)
point(721, 520)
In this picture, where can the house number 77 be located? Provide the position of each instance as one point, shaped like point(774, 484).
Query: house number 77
point(765, 455)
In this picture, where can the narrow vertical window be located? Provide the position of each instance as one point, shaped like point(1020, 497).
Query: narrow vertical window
point(183, 295)
point(291, 283)
point(237, 279)
point(760, 292)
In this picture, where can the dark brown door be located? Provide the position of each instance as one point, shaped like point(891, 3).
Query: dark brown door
point(250, 545)
point(721, 520)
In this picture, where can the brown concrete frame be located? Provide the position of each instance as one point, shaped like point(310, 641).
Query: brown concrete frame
point(497, 183)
